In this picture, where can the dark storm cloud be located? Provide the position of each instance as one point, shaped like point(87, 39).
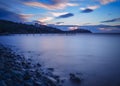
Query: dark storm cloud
point(112, 20)
point(59, 22)
point(66, 15)
point(87, 10)
point(8, 10)
point(11, 16)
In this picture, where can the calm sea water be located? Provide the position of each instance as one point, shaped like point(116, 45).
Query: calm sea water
point(96, 57)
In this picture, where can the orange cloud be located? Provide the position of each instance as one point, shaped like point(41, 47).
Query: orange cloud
point(93, 7)
point(59, 5)
point(73, 28)
point(26, 15)
point(90, 7)
point(109, 29)
point(56, 14)
point(45, 19)
point(106, 1)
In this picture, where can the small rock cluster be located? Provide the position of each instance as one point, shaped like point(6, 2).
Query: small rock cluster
point(74, 78)
point(15, 70)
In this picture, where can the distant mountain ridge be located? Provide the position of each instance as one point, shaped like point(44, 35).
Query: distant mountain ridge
point(20, 28)
point(93, 28)
point(79, 31)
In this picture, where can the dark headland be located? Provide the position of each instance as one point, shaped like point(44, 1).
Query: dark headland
point(9, 27)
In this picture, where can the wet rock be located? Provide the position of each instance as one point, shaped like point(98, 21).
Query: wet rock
point(51, 69)
point(28, 82)
point(17, 76)
point(27, 76)
point(50, 81)
point(7, 75)
point(23, 63)
point(2, 83)
point(62, 81)
point(38, 74)
point(1, 64)
point(38, 64)
point(48, 72)
point(57, 78)
point(74, 78)
point(9, 82)
point(36, 83)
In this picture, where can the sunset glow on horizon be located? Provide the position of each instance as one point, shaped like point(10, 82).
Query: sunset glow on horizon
point(62, 12)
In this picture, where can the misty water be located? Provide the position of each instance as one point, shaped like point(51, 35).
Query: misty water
point(93, 57)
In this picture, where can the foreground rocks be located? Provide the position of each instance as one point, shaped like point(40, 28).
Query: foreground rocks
point(15, 70)
point(74, 79)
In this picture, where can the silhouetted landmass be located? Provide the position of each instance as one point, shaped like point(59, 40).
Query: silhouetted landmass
point(9, 27)
point(12, 27)
point(80, 31)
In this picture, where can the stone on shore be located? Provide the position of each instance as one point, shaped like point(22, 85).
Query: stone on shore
point(74, 78)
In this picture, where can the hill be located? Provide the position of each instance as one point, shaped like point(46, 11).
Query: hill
point(13, 27)
point(79, 31)
point(9, 27)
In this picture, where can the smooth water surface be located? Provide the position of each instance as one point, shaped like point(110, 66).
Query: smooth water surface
point(96, 57)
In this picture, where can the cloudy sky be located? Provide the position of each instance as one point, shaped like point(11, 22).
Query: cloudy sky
point(62, 12)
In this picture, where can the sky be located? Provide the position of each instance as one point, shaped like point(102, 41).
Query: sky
point(62, 12)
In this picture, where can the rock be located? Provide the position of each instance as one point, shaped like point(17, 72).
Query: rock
point(2, 83)
point(27, 77)
point(38, 74)
point(1, 65)
point(51, 69)
point(28, 82)
point(17, 76)
point(50, 81)
point(1, 74)
point(7, 75)
point(9, 82)
point(26, 64)
point(62, 81)
point(36, 83)
point(38, 64)
point(23, 63)
point(57, 78)
point(74, 78)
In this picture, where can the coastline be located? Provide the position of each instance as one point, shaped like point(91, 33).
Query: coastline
point(16, 70)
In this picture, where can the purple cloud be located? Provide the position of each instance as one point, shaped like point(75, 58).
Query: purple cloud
point(112, 20)
point(66, 15)
point(87, 10)
point(11, 16)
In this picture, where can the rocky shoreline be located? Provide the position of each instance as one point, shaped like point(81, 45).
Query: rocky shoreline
point(15, 70)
